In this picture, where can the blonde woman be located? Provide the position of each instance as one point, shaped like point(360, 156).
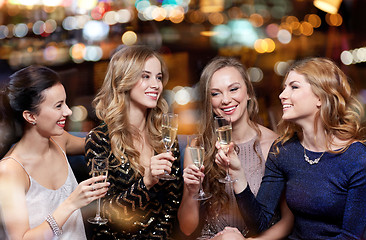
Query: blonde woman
point(129, 104)
point(226, 91)
point(319, 160)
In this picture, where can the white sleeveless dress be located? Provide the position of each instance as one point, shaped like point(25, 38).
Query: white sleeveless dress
point(42, 201)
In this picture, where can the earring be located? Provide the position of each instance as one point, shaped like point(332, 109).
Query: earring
point(33, 123)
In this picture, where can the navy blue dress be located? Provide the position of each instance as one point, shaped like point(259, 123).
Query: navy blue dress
point(328, 199)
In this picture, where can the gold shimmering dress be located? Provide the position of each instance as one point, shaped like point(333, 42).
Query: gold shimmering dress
point(133, 212)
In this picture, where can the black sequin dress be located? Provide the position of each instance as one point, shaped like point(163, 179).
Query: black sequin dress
point(133, 211)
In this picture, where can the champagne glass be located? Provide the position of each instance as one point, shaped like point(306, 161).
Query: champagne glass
point(99, 167)
point(169, 133)
point(197, 152)
point(223, 130)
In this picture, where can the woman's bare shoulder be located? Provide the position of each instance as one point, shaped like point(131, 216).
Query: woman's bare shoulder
point(12, 171)
point(267, 134)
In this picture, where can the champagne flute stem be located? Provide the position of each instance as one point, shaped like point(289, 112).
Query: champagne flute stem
point(98, 209)
point(200, 191)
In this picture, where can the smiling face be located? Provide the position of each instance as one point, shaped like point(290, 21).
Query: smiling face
point(53, 111)
point(146, 92)
point(299, 103)
point(229, 95)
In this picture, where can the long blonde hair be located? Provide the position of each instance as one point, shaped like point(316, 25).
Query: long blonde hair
point(212, 171)
point(340, 112)
point(113, 100)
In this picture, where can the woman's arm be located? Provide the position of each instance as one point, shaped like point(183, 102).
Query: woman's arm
point(129, 195)
point(354, 217)
point(13, 187)
point(258, 211)
point(282, 228)
point(188, 213)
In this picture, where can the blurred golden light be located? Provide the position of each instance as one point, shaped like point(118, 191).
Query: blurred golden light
point(197, 17)
point(291, 19)
point(13, 10)
point(159, 14)
point(260, 46)
point(49, 9)
point(329, 6)
point(306, 29)
point(314, 20)
point(208, 33)
point(208, 6)
point(256, 20)
point(334, 19)
point(296, 27)
point(286, 26)
point(235, 12)
point(216, 18)
point(177, 15)
point(270, 45)
point(129, 38)
point(77, 51)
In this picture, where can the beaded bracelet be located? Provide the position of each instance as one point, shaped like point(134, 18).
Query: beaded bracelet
point(53, 224)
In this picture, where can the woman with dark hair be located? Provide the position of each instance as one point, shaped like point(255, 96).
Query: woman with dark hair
point(129, 104)
point(319, 159)
point(226, 91)
point(40, 197)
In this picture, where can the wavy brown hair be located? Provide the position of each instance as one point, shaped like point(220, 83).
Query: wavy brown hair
point(212, 170)
point(113, 100)
point(340, 112)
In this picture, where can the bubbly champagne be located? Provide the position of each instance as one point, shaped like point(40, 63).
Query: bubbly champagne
point(197, 155)
point(97, 173)
point(169, 134)
point(224, 135)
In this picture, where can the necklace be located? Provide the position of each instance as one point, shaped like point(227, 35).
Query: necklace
point(311, 162)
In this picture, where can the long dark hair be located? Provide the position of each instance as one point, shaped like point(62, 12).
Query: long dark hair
point(23, 92)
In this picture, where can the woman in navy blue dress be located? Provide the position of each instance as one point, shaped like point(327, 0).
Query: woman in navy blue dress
point(319, 160)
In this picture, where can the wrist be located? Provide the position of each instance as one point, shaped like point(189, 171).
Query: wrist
point(68, 206)
point(237, 174)
point(239, 185)
point(149, 183)
point(57, 231)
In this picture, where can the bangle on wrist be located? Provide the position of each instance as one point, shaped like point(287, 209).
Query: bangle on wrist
point(53, 224)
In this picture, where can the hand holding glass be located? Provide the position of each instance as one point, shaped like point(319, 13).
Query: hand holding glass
point(169, 133)
point(197, 153)
point(223, 130)
point(99, 167)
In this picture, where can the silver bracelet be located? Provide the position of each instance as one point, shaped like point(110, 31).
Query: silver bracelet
point(53, 224)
